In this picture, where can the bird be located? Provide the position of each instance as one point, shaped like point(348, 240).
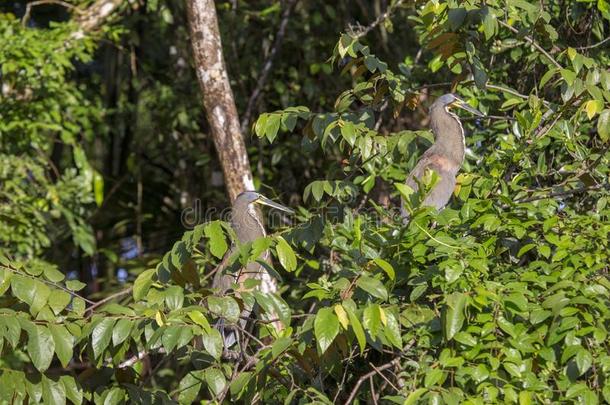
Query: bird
point(445, 156)
point(248, 228)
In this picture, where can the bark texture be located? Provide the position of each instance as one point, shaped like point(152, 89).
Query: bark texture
point(218, 98)
point(221, 114)
point(95, 15)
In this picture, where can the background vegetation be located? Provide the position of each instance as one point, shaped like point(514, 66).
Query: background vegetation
point(501, 297)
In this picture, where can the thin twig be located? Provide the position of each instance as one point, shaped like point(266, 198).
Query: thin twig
point(28, 8)
point(533, 42)
point(384, 377)
point(365, 30)
point(135, 358)
point(605, 186)
point(366, 376)
point(262, 80)
point(109, 298)
point(582, 48)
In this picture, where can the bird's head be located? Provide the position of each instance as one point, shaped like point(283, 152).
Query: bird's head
point(449, 100)
point(252, 197)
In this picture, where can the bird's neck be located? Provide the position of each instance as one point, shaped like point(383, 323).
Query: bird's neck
point(246, 223)
point(448, 135)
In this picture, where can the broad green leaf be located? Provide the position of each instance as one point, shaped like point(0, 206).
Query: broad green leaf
point(225, 307)
point(212, 342)
point(341, 315)
point(52, 392)
point(174, 297)
point(584, 360)
point(372, 286)
point(357, 329)
point(73, 392)
point(371, 319)
point(142, 284)
point(603, 125)
point(52, 274)
point(414, 396)
point(200, 320)
point(32, 292)
point(115, 396)
point(40, 347)
point(189, 387)
point(326, 328)
point(392, 330)
point(218, 245)
point(59, 300)
point(75, 285)
point(454, 314)
point(64, 342)
point(215, 380)
point(101, 335)
point(385, 266)
point(285, 254)
point(121, 331)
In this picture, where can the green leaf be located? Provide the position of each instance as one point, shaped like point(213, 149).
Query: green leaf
point(142, 284)
point(101, 335)
point(392, 330)
point(200, 320)
point(433, 377)
point(348, 132)
point(272, 126)
point(58, 301)
point(357, 329)
point(414, 396)
point(32, 292)
point(285, 254)
point(584, 360)
point(218, 245)
point(603, 125)
point(212, 342)
point(326, 328)
point(189, 387)
point(40, 347)
point(170, 337)
point(52, 392)
point(215, 380)
point(52, 274)
point(121, 331)
point(372, 286)
point(225, 307)
point(5, 280)
point(115, 396)
point(454, 314)
point(385, 266)
point(73, 392)
point(174, 297)
point(64, 341)
point(75, 285)
point(371, 318)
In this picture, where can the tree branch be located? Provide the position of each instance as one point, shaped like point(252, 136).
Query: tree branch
point(366, 376)
point(362, 31)
point(533, 42)
point(264, 75)
point(28, 8)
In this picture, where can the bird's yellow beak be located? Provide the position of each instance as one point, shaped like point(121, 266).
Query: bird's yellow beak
point(265, 201)
point(465, 106)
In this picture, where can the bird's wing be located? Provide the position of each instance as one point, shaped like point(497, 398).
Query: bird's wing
point(441, 192)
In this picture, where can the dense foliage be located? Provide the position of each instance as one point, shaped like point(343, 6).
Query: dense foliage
point(503, 296)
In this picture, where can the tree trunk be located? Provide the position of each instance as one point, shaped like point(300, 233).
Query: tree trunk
point(218, 101)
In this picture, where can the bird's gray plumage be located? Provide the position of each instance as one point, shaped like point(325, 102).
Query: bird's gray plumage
point(445, 156)
point(248, 228)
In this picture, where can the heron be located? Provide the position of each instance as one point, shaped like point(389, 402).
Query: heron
point(445, 156)
point(248, 228)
